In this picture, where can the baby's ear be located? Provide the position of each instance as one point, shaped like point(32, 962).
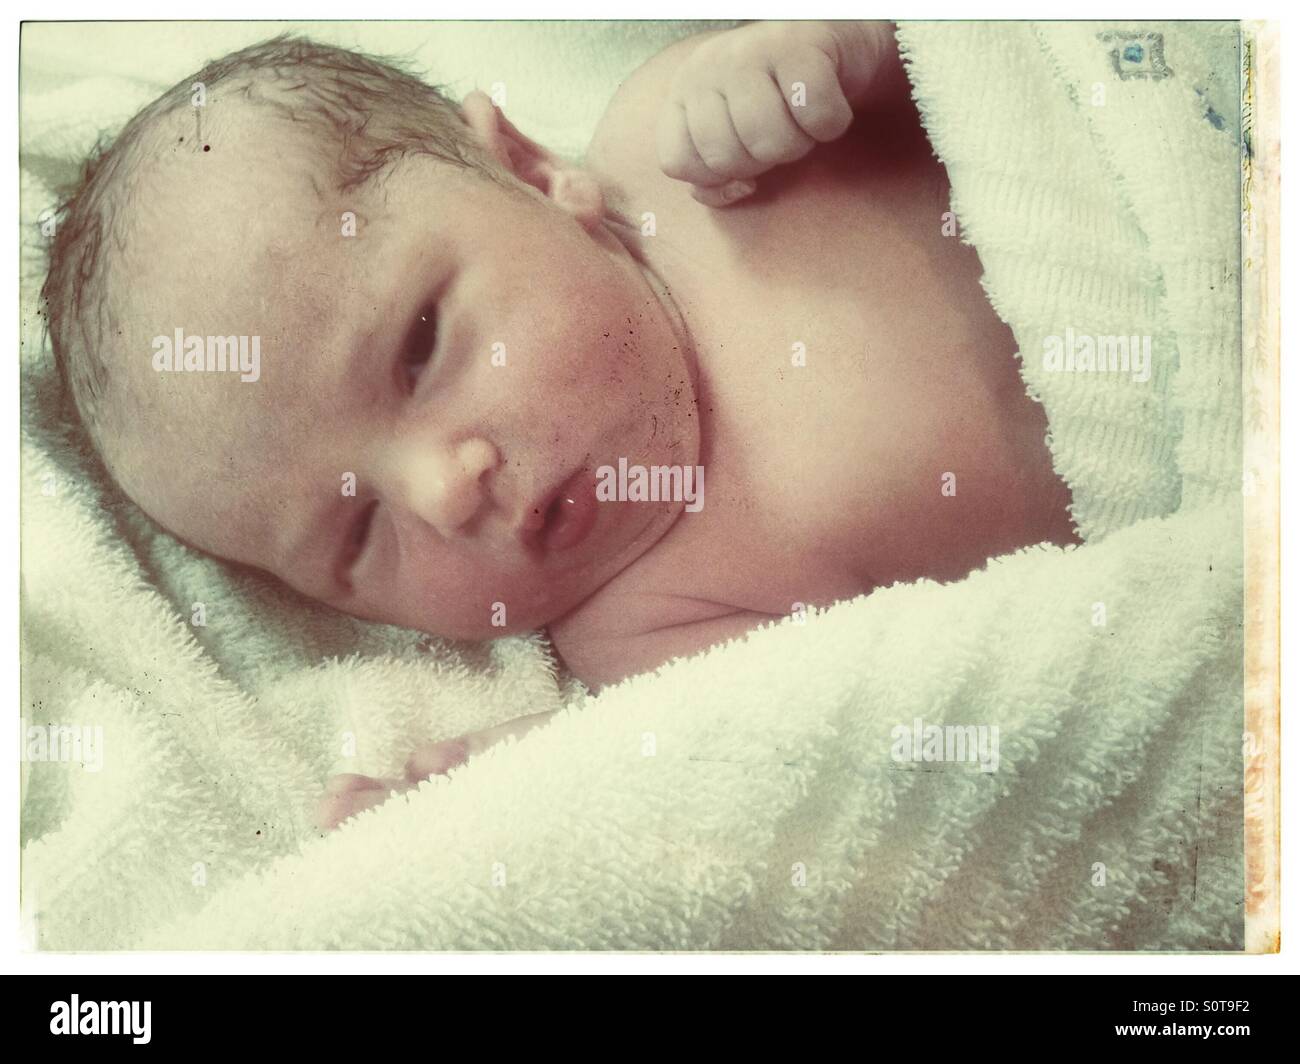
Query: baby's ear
point(571, 188)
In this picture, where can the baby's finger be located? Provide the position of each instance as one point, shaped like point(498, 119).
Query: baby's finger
point(722, 195)
point(333, 809)
point(480, 741)
point(677, 155)
point(439, 758)
point(708, 117)
point(762, 121)
point(349, 782)
point(811, 89)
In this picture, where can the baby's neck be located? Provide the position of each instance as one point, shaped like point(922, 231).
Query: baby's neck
point(657, 272)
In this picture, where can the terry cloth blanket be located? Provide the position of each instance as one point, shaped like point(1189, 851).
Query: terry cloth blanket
point(786, 791)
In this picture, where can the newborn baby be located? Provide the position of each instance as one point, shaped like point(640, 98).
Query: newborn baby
point(735, 364)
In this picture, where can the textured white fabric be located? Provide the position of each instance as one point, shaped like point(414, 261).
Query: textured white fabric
point(1110, 212)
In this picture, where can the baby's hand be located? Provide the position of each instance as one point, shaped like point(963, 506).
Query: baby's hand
point(751, 98)
point(348, 793)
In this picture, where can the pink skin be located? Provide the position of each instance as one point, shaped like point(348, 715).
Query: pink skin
point(457, 460)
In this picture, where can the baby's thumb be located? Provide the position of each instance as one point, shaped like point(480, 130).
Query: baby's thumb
point(723, 195)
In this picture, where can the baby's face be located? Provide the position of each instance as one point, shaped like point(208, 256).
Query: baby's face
point(467, 360)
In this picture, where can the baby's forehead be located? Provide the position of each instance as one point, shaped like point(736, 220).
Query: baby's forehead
point(245, 240)
point(251, 169)
point(200, 447)
point(252, 238)
point(233, 244)
point(212, 231)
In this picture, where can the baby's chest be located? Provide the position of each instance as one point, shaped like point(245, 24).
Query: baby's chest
point(868, 420)
point(846, 345)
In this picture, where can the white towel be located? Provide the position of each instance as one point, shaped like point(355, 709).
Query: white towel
point(749, 797)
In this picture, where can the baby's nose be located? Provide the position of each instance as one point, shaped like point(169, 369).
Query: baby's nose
point(444, 486)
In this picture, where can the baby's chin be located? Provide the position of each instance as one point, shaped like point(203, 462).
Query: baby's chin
point(503, 621)
point(531, 605)
point(506, 607)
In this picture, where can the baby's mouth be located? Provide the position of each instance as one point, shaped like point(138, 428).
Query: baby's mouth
point(565, 516)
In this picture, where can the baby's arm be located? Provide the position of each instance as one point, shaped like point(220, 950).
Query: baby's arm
point(745, 100)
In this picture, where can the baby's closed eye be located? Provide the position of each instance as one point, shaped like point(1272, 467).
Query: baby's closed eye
point(417, 350)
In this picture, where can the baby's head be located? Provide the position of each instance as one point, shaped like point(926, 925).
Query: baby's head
point(448, 334)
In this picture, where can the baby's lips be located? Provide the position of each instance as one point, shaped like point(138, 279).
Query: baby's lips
point(573, 514)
